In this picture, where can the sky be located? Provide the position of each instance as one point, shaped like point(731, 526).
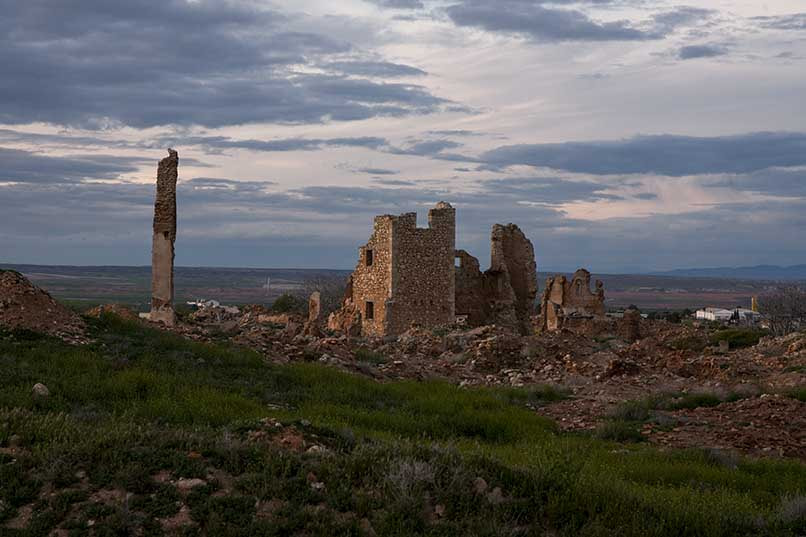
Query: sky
point(620, 135)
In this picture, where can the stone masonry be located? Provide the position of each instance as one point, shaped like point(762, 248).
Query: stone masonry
point(563, 300)
point(405, 275)
point(408, 276)
point(505, 294)
point(162, 250)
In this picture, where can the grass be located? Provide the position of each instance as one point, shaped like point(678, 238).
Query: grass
point(139, 402)
point(623, 424)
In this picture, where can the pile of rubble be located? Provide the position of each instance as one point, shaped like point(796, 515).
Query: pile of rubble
point(25, 306)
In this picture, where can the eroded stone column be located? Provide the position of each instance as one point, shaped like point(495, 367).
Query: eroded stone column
point(162, 250)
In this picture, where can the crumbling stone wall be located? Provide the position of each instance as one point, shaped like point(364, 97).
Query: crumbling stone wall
point(513, 257)
point(162, 250)
point(505, 294)
point(408, 276)
point(405, 274)
point(563, 299)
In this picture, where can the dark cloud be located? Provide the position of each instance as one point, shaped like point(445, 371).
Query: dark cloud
point(271, 146)
point(374, 69)
point(795, 21)
point(377, 171)
point(398, 4)
point(20, 166)
point(147, 63)
point(774, 182)
point(532, 18)
point(663, 155)
point(249, 223)
point(701, 51)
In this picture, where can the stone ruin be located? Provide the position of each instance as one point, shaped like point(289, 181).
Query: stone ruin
point(407, 276)
point(505, 294)
point(162, 250)
point(572, 301)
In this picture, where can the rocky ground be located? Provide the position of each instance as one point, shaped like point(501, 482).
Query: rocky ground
point(731, 399)
point(744, 407)
point(25, 306)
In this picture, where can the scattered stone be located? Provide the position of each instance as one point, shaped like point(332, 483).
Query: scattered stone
point(186, 485)
point(496, 497)
point(40, 391)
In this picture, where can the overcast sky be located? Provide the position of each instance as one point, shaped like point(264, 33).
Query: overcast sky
point(621, 135)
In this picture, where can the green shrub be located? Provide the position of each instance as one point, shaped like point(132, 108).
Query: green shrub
point(288, 303)
point(619, 431)
point(739, 337)
point(798, 393)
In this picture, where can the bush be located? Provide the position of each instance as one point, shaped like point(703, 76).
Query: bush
point(739, 338)
point(288, 303)
point(619, 431)
point(798, 393)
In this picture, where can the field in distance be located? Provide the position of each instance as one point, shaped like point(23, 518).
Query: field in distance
point(131, 285)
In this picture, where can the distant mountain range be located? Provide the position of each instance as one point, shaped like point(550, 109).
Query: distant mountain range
point(760, 272)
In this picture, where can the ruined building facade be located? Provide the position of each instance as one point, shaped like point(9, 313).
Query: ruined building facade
point(409, 276)
point(505, 294)
point(405, 273)
point(564, 301)
point(162, 250)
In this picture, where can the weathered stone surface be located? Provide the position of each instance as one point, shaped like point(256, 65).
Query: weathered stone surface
point(631, 325)
point(563, 299)
point(407, 277)
point(505, 294)
point(162, 251)
point(40, 391)
point(313, 326)
point(513, 258)
point(404, 276)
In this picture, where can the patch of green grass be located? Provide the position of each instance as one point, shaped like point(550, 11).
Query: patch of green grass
point(533, 396)
point(139, 402)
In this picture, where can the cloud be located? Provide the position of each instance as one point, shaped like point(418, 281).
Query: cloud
point(531, 18)
point(144, 63)
point(701, 51)
point(785, 183)
point(795, 21)
point(271, 146)
point(18, 166)
point(664, 155)
point(374, 69)
point(398, 4)
point(377, 171)
point(422, 148)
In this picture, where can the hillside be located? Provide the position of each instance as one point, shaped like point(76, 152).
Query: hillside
point(144, 432)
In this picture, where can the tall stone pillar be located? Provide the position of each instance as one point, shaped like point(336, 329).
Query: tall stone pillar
point(162, 250)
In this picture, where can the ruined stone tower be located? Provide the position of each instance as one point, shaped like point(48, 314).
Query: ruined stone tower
point(505, 294)
point(405, 274)
point(162, 250)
